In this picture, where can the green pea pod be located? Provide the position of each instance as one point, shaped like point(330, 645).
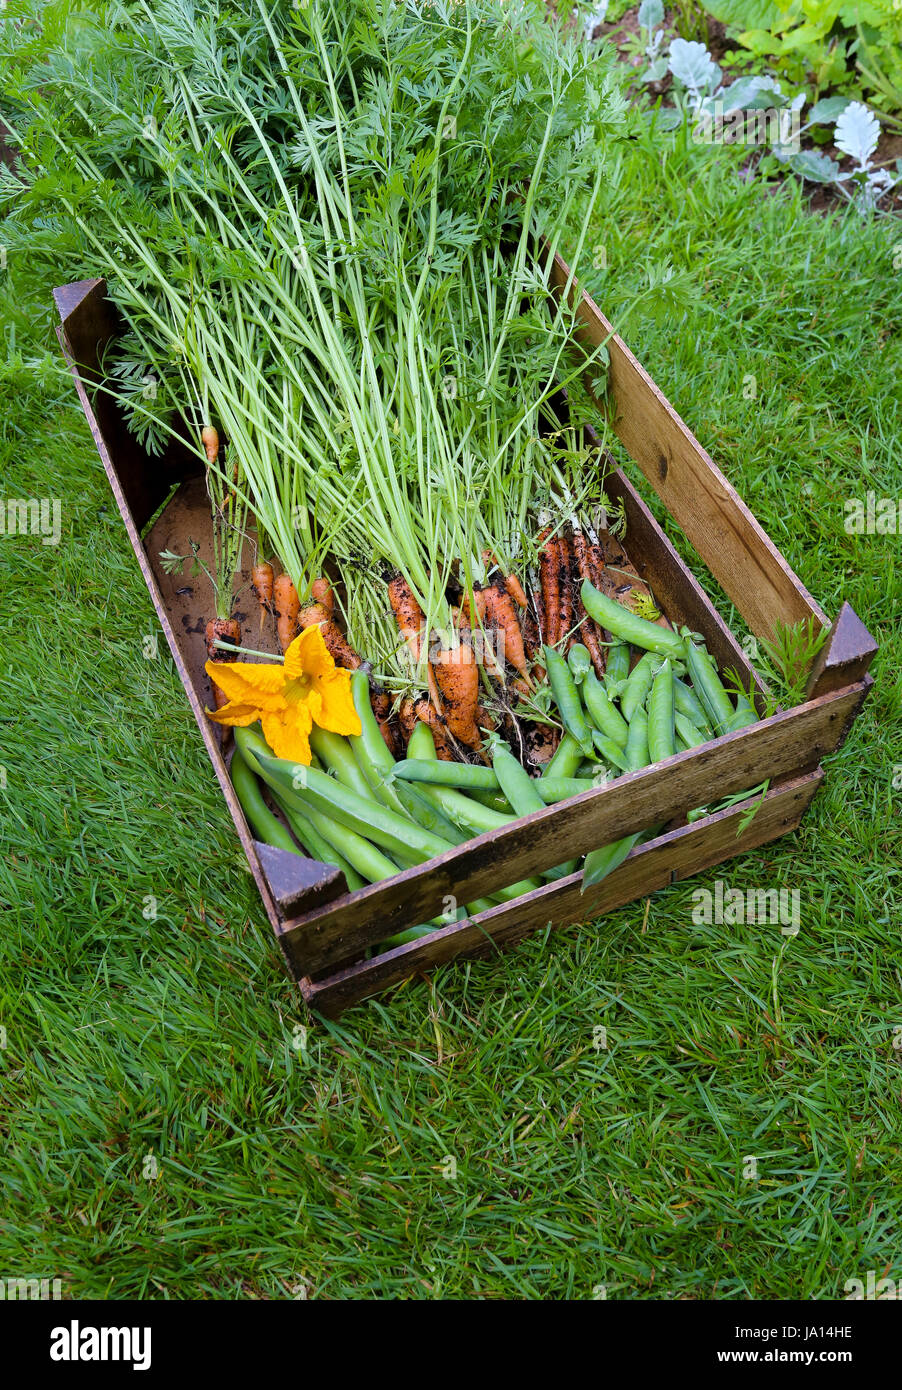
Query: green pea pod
point(744, 715)
point(310, 787)
point(617, 667)
point(661, 743)
point(359, 861)
point(602, 712)
point(336, 753)
point(612, 753)
point(496, 801)
point(515, 781)
point(566, 695)
point(604, 861)
point(468, 776)
point(370, 751)
point(690, 736)
point(580, 662)
point(422, 812)
point(637, 743)
point(686, 702)
point(401, 938)
point(565, 759)
point(267, 827)
point(709, 688)
point(628, 626)
point(639, 684)
point(552, 789)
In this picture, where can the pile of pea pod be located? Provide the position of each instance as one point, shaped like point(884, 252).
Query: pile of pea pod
point(670, 699)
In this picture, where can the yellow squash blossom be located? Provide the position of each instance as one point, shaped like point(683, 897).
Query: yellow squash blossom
point(288, 699)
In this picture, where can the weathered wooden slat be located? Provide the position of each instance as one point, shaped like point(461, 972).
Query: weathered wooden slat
point(84, 312)
point(737, 551)
point(89, 321)
point(783, 746)
point(650, 867)
point(844, 657)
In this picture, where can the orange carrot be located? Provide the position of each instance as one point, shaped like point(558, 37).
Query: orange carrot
point(407, 718)
point(501, 614)
point(321, 590)
point(380, 703)
point(285, 597)
point(210, 440)
point(588, 632)
point(425, 710)
point(343, 654)
point(461, 618)
point(566, 592)
point(263, 579)
point(408, 615)
point(511, 582)
point(549, 579)
point(224, 630)
point(457, 678)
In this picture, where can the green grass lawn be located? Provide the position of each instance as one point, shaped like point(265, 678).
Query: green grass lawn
point(136, 1043)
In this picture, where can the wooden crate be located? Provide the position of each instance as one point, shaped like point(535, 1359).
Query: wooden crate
point(324, 931)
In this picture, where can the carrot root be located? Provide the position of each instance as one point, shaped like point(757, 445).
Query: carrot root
point(223, 630)
point(285, 597)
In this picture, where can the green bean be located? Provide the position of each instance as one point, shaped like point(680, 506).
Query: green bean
point(637, 743)
point(629, 627)
point(611, 751)
point(617, 666)
point(580, 662)
point(602, 712)
point(468, 776)
point(709, 688)
point(515, 781)
point(267, 827)
point(689, 734)
point(660, 716)
point(686, 702)
point(310, 787)
point(566, 695)
point(639, 684)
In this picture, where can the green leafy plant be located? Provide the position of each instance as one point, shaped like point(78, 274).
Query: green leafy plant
point(789, 655)
point(840, 44)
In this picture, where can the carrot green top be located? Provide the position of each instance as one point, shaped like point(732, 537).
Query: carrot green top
point(288, 699)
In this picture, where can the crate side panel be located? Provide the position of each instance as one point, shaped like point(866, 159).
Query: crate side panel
point(89, 323)
point(785, 745)
point(649, 868)
point(733, 545)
